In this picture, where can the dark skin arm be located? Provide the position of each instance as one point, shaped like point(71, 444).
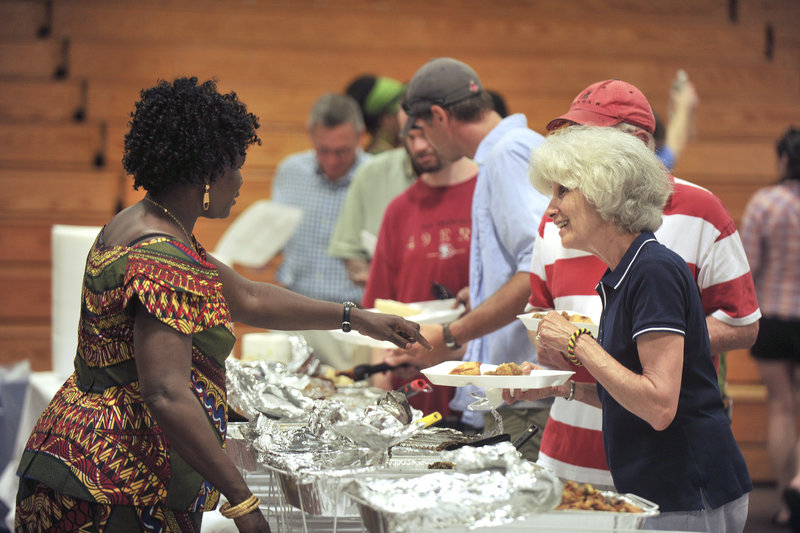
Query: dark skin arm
point(163, 362)
point(268, 306)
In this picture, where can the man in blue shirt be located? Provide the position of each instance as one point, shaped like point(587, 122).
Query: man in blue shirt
point(447, 101)
point(316, 181)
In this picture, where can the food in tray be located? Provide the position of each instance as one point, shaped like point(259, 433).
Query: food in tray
point(583, 319)
point(584, 497)
point(470, 368)
point(506, 369)
point(339, 380)
point(393, 307)
point(441, 465)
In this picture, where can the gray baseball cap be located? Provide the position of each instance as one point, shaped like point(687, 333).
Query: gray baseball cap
point(442, 81)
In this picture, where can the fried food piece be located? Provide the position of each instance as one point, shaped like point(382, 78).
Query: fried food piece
point(577, 318)
point(441, 465)
point(584, 497)
point(470, 368)
point(506, 369)
point(571, 317)
point(393, 307)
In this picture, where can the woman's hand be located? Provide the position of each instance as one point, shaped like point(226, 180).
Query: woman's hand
point(252, 523)
point(514, 395)
point(392, 328)
point(553, 359)
point(554, 332)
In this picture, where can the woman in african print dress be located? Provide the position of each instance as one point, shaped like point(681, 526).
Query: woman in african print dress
point(133, 439)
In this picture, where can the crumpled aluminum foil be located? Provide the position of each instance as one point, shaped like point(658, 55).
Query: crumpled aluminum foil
point(490, 486)
point(266, 387)
point(333, 436)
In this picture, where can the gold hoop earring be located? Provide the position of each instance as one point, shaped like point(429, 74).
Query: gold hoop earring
point(206, 198)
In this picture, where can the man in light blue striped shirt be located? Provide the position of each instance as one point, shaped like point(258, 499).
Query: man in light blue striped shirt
point(316, 181)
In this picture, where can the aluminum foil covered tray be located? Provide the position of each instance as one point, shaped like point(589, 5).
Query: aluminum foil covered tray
point(488, 486)
point(312, 459)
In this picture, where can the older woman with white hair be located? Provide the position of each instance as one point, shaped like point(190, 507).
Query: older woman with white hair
point(665, 431)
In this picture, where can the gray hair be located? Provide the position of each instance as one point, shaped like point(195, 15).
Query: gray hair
point(332, 109)
point(614, 171)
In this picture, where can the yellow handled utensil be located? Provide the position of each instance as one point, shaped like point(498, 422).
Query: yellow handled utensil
point(430, 419)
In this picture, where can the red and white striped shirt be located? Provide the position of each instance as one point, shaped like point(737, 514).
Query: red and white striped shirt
point(698, 227)
point(771, 238)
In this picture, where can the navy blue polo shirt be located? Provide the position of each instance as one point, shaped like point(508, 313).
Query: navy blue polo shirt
point(653, 290)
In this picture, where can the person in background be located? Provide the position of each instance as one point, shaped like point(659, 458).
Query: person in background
point(695, 224)
point(423, 247)
point(672, 137)
point(771, 237)
point(374, 185)
point(134, 438)
point(317, 181)
point(499, 103)
point(379, 99)
point(665, 432)
point(446, 100)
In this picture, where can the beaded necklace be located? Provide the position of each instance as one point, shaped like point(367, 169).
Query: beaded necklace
point(173, 217)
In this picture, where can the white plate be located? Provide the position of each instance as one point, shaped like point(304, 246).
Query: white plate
point(258, 233)
point(433, 312)
point(537, 379)
point(533, 323)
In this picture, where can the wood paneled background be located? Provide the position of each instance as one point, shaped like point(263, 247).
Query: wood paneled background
point(70, 71)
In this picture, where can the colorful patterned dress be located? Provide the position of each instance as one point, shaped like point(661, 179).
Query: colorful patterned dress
point(97, 441)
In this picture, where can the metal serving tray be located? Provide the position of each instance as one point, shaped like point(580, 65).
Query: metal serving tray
point(376, 521)
point(320, 494)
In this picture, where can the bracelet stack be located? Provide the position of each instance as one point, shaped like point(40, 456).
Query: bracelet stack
point(571, 345)
point(235, 511)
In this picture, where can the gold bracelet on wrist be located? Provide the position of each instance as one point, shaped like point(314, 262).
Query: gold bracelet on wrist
point(235, 511)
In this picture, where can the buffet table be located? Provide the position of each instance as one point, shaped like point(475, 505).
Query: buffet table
point(327, 458)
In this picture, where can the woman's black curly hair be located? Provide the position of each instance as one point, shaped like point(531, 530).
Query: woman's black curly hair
point(184, 133)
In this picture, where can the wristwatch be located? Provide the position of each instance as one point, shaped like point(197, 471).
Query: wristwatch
point(449, 341)
point(346, 316)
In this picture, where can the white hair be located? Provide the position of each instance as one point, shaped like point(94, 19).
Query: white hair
point(614, 171)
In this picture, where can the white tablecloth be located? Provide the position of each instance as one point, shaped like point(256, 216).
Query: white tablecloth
point(42, 386)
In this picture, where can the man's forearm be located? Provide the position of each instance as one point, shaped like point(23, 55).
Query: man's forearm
point(724, 337)
point(500, 309)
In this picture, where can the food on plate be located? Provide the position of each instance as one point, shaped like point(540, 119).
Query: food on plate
point(584, 497)
point(571, 317)
point(441, 465)
point(393, 307)
point(470, 368)
point(506, 369)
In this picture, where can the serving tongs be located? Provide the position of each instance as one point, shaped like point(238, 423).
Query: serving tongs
point(359, 372)
point(526, 435)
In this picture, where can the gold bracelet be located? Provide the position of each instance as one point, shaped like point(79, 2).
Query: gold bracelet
point(235, 511)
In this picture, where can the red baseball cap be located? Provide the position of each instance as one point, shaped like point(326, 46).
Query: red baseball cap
point(607, 103)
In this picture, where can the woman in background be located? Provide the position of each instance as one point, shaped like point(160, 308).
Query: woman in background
point(133, 439)
point(771, 238)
